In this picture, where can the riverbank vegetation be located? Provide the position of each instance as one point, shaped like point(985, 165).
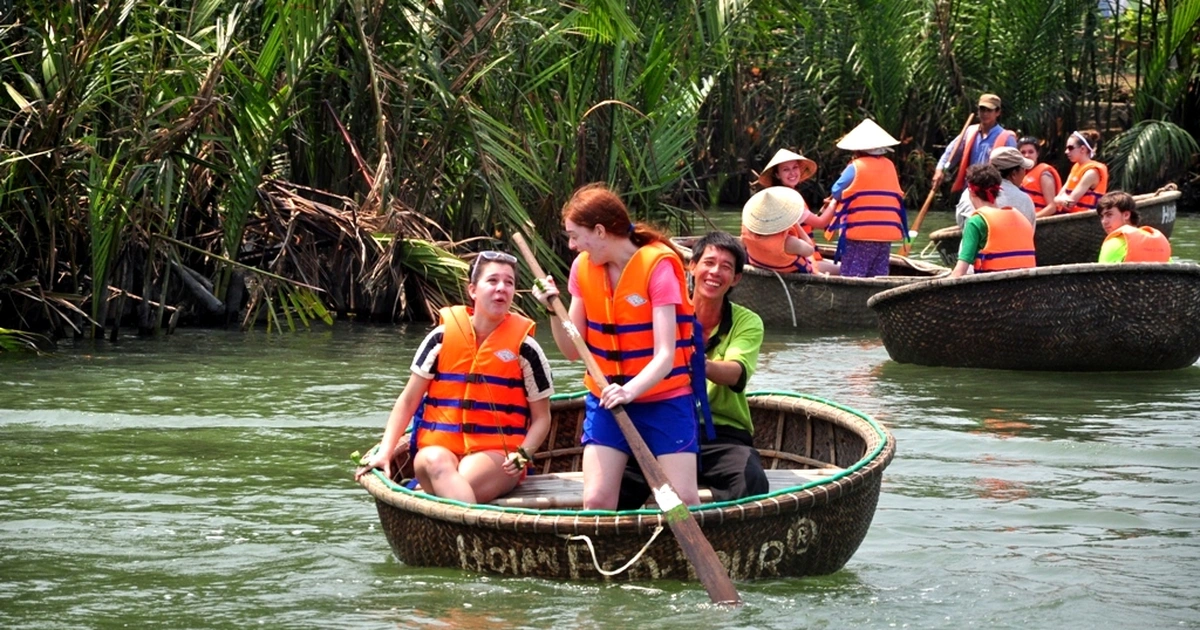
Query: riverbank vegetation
point(221, 161)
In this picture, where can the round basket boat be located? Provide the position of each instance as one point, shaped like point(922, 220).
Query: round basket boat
point(1072, 238)
point(825, 463)
point(820, 303)
point(1086, 317)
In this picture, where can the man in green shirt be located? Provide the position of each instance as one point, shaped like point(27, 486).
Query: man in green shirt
point(729, 463)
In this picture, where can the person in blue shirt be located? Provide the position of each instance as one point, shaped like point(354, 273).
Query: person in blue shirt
point(980, 139)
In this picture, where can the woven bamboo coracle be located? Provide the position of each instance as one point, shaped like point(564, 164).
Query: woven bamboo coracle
point(1072, 238)
point(811, 528)
point(819, 303)
point(1085, 317)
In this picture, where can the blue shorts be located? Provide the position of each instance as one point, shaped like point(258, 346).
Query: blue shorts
point(668, 426)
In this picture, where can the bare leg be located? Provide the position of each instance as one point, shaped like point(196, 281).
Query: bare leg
point(437, 470)
point(829, 267)
point(485, 473)
point(680, 469)
point(603, 467)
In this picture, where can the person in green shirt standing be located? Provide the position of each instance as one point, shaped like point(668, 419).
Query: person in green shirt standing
point(729, 463)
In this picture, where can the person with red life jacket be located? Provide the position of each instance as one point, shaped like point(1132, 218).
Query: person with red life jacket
point(1041, 181)
point(629, 301)
point(994, 239)
point(1126, 240)
point(478, 397)
point(975, 146)
point(1088, 180)
point(869, 203)
point(772, 233)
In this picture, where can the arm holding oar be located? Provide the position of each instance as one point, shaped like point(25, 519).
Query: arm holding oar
point(937, 180)
point(687, 531)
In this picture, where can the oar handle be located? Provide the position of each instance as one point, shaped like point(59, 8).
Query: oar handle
point(683, 524)
point(916, 226)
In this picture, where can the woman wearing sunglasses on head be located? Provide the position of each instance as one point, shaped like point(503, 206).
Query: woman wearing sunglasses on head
point(1088, 180)
point(478, 397)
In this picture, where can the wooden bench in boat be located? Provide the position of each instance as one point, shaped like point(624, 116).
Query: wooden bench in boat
point(564, 490)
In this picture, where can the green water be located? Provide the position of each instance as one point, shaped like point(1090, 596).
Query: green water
point(202, 481)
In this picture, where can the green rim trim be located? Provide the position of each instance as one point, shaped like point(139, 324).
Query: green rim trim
point(883, 440)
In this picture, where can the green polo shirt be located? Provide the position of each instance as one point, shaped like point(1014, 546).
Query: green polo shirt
point(738, 338)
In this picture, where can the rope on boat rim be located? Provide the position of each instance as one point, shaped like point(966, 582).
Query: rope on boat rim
point(788, 294)
point(596, 563)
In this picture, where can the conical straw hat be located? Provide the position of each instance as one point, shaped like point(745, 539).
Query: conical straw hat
point(866, 136)
point(772, 210)
point(807, 167)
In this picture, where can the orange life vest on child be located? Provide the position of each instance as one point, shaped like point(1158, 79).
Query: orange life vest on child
point(1009, 241)
point(964, 162)
point(477, 400)
point(1032, 184)
point(872, 206)
point(1089, 200)
point(1143, 243)
point(766, 252)
point(620, 325)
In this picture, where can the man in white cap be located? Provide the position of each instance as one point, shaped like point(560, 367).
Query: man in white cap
point(1012, 167)
point(870, 202)
point(981, 138)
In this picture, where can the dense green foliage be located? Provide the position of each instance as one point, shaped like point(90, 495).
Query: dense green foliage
point(165, 155)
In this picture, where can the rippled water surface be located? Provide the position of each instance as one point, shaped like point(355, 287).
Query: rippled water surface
point(202, 481)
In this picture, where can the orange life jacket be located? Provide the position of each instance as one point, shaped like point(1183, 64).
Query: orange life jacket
point(620, 325)
point(964, 162)
point(872, 206)
point(1143, 243)
point(477, 400)
point(1090, 198)
point(1009, 241)
point(766, 252)
point(1032, 184)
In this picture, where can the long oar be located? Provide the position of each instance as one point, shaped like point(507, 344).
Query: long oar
point(916, 226)
point(695, 546)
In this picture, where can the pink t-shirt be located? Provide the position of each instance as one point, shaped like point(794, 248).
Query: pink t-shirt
point(664, 290)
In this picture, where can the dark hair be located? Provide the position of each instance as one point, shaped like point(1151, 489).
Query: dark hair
point(721, 240)
point(1122, 201)
point(1034, 140)
point(489, 256)
point(1093, 139)
point(984, 181)
point(594, 204)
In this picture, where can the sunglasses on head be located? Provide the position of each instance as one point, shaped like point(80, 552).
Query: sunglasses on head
point(491, 255)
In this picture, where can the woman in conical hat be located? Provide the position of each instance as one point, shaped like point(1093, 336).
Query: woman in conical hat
point(869, 203)
point(771, 231)
point(789, 169)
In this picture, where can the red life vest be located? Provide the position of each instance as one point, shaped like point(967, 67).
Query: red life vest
point(964, 162)
point(1143, 243)
point(1089, 200)
point(1032, 184)
point(477, 400)
point(872, 206)
point(1009, 241)
point(620, 324)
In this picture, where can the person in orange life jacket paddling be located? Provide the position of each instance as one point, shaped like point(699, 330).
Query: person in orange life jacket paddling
point(1088, 180)
point(729, 464)
point(629, 301)
point(994, 239)
point(980, 139)
point(478, 396)
point(772, 234)
point(789, 170)
point(869, 201)
point(1126, 241)
point(1041, 181)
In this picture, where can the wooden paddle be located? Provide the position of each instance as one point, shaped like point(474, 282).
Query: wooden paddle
point(687, 532)
point(916, 226)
